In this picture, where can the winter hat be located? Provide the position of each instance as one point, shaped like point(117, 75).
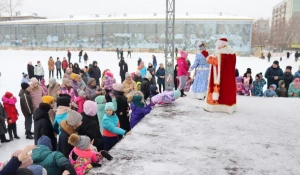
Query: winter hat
point(65, 81)
point(52, 81)
point(90, 108)
point(183, 54)
point(153, 89)
point(25, 163)
point(8, 94)
point(248, 71)
point(42, 81)
point(148, 75)
point(109, 106)
point(80, 142)
point(24, 86)
point(276, 62)
point(74, 76)
point(63, 100)
point(289, 67)
point(100, 99)
point(138, 72)
point(257, 75)
point(177, 94)
point(273, 85)
point(91, 80)
point(38, 62)
point(127, 74)
point(24, 74)
point(24, 171)
point(118, 87)
point(34, 80)
point(81, 93)
point(137, 101)
point(47, 99)
point(110, 74)
point(44, 140)
point(73, 118)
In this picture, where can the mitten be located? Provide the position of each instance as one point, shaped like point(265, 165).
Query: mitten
point(96, 165)
point(106, 155)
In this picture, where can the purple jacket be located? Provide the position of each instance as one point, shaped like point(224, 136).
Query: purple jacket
point(162, 98)
point(138, 114)
point(75, 85)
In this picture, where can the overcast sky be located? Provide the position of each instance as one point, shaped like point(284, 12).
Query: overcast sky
point(64, 8)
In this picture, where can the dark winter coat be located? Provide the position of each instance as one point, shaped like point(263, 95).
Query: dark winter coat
point(69, 54)
point(153, 90)
point(90, 127)
point(63, 146)
point(145, 88)
point(95, 72)
point(53, 161)
point(138, 113)
point(160, 72)
point(122, 108)
point(121, 53)
point(42, 124)
point(123, 68)
point(281, 92)
point(271, 72)
point(152, 72)
point(58, 64)
point(30, 70)
point(269, 55)
point(288, 79)
point(175, 75)
point(154, 62)
point(11, 167)
point(85, 57)
point(237, 73)
point(137, 78)
point(27, 107)
point(3, 116)
point(76, 69)
point(139, 61)
point(80, 53)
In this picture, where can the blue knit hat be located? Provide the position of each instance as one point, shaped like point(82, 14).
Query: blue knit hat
point(109, 105)
point(176, 94)
point(44, 140)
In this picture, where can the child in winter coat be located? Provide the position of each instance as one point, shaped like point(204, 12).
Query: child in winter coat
point(63, 106)
point(188, 83)
point(139, 110)
point(143, 69)
point(294, 89)
point(239, 85)
point(103, 76)
point(166, 97)
point(43, 86)
point(258, 85)
point(100, 100)
point(111, 127)
point(247, 83)
point(80, 100)
point(9, 104)
point(75, 83)
point(281, 90)
point(86, 157)
point(108, 85)
point(153, 91)
point(66, 88)
point(271, 91)
point(25, 78)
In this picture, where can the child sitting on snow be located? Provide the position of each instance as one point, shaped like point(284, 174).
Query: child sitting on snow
point(166, 97)
point(271, 91)
point(281, 90)
point(139, 110)
point(258, 85)
point(247, 83)
point(239, 85)
point(86, 157)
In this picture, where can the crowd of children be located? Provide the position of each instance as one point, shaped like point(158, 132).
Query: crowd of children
point(78, 121)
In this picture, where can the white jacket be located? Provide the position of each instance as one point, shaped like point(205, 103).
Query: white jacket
point(39, 70)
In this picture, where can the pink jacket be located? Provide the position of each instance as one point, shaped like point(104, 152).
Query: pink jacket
point(183, 67)
point(162, 98)
point(64, 90)
point(36, 96)
point(83, 162)
point(80, 101)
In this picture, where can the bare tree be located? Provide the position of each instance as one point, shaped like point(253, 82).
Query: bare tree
point(260, 33)
point(11, 5)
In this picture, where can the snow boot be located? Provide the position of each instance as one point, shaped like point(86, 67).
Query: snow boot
point(182, 93)
point(15, 133)
point(28, 135)
point(11, 138)
point(3, 139)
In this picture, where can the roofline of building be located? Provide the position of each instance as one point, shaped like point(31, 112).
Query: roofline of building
point(126, 19)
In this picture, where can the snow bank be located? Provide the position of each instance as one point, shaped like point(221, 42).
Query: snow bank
point(260, 138)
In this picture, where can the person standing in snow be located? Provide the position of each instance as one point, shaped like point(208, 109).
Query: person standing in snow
point(86, 58)
point(176, 52)
point(182, 71)
point(30, 70)
point(80, 55)
point(36, 93)
point(39, 71)
point(152, 71)
point(160, 73)
point(129, 52)
point(58, 67)
point(123, 69)
point(51, 67)
point(269, 56)
point(118, 53)
point(95, 72)
point(139, 61)
point(288, 55)
point(154, 62)
point(288, 77)
point(296, 56)
point(121, 53)
point(69, 56)
point(202, 72)
point(3, 130)
point(65, 64)
point(274, 74)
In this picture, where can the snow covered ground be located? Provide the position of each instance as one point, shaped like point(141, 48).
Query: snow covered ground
point(261, 138)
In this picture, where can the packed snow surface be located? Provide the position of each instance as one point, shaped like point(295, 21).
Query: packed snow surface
point(262, 137)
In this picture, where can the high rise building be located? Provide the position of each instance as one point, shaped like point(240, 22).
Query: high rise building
point(284, 11)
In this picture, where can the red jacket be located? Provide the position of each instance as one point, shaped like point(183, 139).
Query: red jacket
point(10, 109)
point(183, 67)
point(65, 64)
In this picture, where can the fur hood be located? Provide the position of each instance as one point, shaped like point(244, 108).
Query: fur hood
point(67, 128)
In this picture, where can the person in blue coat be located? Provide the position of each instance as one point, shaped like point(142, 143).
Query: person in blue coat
point(271, 91)
point(139, 110)
point(297, 74)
